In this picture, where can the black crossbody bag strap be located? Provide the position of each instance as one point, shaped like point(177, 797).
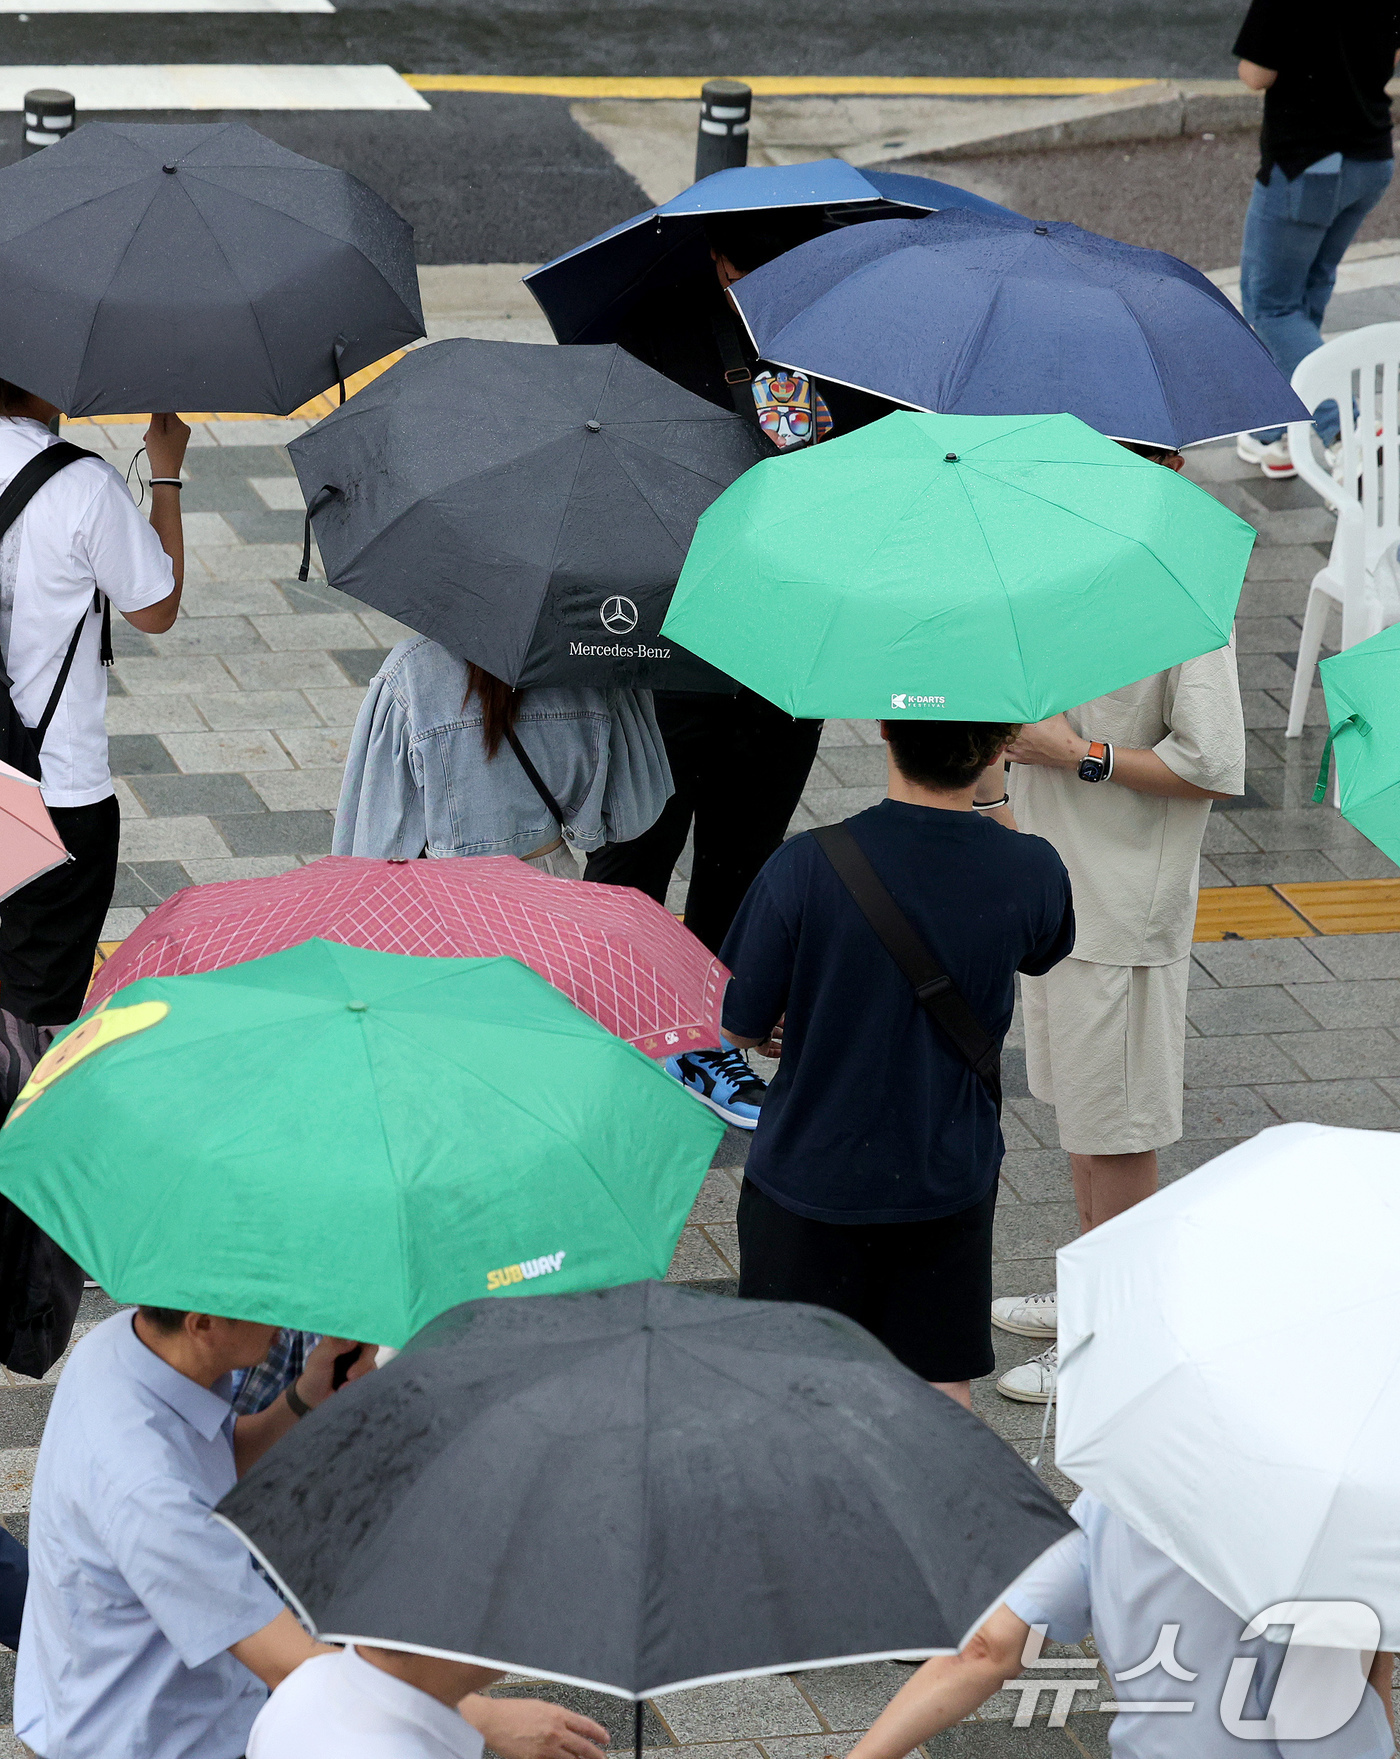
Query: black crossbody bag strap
point(938, 995)
point(738, 374)
point(534, 777)
point(19, 491)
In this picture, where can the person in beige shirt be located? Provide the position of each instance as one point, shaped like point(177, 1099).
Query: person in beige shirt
point(1106, 1029)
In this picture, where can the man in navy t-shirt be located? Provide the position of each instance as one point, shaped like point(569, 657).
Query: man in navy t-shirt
point(871, 1183)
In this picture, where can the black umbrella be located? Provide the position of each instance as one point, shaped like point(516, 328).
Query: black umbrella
point(645, 1489)
point(194, 266)
point(527, 506)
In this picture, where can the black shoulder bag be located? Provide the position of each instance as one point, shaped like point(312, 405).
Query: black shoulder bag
point(938, 995)
point(20, 744)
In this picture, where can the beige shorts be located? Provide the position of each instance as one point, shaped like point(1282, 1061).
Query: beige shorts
point(1106, 1046)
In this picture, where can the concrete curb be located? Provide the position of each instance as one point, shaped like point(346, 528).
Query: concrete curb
point(653, 139)
point(1029, 125)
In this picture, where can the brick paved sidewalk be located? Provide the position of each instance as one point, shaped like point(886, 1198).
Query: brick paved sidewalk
point(229, 735)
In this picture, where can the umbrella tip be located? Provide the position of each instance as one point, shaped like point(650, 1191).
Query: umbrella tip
point(1042, 231)
point(594, 427)
point(950, 457)
point(168, 167)
point(356, 1007)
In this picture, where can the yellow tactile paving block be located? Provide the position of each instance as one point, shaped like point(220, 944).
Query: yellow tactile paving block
point(1347, 906)
point(312, 411)
point(1246, 913)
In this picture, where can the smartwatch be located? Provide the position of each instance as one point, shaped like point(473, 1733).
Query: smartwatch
point(1098, 765)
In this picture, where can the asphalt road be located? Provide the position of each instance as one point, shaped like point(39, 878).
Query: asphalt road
point(1184, 38)
point(500, 179)
point(1184, 196)
point(481, 178)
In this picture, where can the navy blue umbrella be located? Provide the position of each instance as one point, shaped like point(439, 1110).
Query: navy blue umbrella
point(991, 314)
point(588, 292)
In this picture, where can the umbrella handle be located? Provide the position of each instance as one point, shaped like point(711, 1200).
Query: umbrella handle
point(314, 505)
point(640, 1711)
point(1320, 791)
point(338, 348)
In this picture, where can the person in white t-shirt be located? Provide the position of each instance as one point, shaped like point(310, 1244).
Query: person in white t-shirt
point(1185, 1679)
point(79, 540)
point(370, 1703)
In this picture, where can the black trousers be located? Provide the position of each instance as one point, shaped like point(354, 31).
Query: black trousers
point(739, 765)
point(923, 1288)
point(49, 928)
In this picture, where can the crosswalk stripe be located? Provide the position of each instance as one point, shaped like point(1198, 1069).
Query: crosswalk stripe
point(35, 8)
point(210, 86)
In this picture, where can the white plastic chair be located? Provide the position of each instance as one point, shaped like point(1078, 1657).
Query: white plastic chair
point(1358, 370)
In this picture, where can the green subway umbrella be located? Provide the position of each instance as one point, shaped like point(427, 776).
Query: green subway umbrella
point(958, 567)
point(1362, 688)
point(352, 1142)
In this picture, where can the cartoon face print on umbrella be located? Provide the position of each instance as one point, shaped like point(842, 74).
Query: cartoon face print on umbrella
point(104, 1027)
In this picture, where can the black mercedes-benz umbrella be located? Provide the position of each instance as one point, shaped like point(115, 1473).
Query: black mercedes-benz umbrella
point(154, 266)
point(527, 506)
point(641, 1490)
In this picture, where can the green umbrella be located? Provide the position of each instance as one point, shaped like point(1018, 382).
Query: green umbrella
point(958, 567)
point(1362, 688)
point(352, 1142)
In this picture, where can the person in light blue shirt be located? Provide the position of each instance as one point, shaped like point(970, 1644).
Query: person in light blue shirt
point(147, 1633)
point(1167, 1644)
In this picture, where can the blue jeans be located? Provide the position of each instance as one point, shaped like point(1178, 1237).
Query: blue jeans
point(1294, 237)
point(14, 1579)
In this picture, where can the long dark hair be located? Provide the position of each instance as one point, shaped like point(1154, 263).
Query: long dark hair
point(500, 703)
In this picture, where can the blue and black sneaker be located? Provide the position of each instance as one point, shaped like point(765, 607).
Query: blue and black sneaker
point(724, 1081)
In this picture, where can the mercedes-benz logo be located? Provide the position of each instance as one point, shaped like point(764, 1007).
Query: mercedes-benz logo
point(619, 616)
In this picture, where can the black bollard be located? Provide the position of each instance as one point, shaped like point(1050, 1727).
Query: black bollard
point(49, 117)
point(723, 141)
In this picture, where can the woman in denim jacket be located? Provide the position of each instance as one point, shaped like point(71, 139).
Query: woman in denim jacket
point(432, 771)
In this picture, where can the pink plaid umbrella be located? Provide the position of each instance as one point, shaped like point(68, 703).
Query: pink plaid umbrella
point(613, 951)
point(29, 844)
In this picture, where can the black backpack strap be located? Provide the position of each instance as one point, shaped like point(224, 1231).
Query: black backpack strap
point(41, 726)
point(19, 491)
point(738, 374)
point(27, 481)
point(534, 777)
point(938, 995)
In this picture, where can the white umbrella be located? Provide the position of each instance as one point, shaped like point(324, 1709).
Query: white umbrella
point(1230, 1372)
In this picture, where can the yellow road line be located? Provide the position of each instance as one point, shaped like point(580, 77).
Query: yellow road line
point(767, 86)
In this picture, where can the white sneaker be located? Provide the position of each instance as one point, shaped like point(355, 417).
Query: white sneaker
point(1029, 1316)
point(1274, 460)
point(1034, 1381)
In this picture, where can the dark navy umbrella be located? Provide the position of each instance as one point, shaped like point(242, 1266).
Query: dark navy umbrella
point(154, 266)
point(645, 1489)
point(992, 314)
point(528, 507)
point(588, 292)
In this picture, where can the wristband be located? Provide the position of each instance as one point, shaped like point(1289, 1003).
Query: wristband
point(299, 1406)
point(172, 482)
point(991, 805)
